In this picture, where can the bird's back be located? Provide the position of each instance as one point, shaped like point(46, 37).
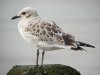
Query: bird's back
point(41, 32)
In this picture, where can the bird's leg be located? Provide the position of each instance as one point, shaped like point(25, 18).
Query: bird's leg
point(42, 58)
point(37, 57)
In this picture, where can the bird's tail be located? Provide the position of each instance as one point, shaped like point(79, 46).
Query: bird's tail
point(85, 44)
point(80, 48)
point(77, 48)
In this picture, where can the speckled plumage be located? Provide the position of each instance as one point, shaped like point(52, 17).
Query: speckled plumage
point(44, 33)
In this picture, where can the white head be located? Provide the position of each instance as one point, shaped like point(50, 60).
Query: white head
point(26, 12)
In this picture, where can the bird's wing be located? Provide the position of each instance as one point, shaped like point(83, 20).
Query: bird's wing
point(49, 32)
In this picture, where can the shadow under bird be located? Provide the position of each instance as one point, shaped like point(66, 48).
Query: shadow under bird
point(45, 34)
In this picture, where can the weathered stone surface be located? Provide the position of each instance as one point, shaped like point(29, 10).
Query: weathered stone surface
point(50, 69)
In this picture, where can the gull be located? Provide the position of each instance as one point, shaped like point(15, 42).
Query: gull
point(45, 34)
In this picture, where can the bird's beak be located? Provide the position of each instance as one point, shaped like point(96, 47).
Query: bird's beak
point(15, 17)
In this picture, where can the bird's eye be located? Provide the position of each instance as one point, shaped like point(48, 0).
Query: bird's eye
point(24, 13)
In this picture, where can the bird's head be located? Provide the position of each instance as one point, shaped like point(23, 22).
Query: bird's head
point(26, 12)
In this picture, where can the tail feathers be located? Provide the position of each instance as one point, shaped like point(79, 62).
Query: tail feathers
point(78, 48)
point(85, 45)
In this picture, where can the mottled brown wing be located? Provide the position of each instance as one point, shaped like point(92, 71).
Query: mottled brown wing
point(46, 31)
point(54, 32)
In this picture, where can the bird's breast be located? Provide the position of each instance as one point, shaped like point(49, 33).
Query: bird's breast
point(26, 35)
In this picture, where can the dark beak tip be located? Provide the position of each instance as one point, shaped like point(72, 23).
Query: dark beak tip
point(12, 18)
point(15, 17)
